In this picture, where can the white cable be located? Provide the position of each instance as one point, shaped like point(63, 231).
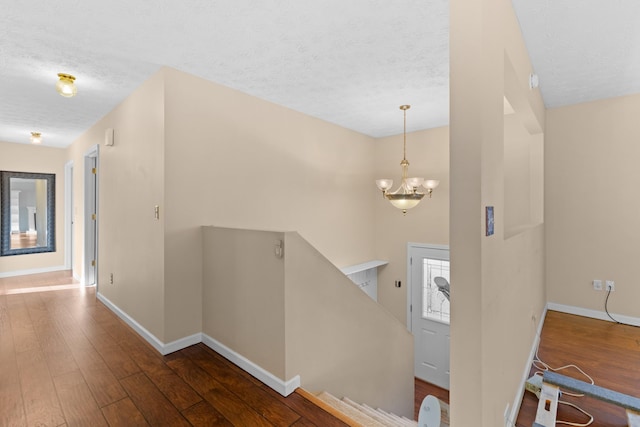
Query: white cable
point(545, 367)
point(579, 409)
point(542, 366)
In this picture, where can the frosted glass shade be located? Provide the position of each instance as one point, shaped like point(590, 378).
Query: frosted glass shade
point(405, 201)
point(66, 86)
point(431, 184)
point(36, 138)
point(384, 184)
point(415, 182)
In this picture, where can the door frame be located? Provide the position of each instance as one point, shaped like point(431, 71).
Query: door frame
point(68, 217)
point(89, 249)
point(410, 246)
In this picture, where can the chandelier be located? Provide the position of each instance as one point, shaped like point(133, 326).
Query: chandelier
point(407, 195)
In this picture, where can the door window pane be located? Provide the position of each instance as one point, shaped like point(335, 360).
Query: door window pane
point(435, 305)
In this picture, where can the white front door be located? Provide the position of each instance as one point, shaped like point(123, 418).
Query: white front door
point(429, 308)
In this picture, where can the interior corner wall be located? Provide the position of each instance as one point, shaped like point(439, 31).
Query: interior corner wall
point(37, 159)
point(591, 203)
point(130, 184)
point(428, 154)
point(497, 283)
point(236, 161)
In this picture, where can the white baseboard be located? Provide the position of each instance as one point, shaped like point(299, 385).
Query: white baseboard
point(285, 388)
point(569, 309)
point(148, 336)
point(594, 314)
point(515, 407)
point(32, 271)
point(181, 343)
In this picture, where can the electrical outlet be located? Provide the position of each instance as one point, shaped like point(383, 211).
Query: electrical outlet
point(597, 285)
point(611, 285)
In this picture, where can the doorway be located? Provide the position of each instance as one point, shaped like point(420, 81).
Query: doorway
point(90, 254)
point(429, 312)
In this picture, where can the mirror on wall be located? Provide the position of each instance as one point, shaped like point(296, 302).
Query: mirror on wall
point(27, 213)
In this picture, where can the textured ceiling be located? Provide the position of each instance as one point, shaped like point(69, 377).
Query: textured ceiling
point(348, 62)
point(582, 50)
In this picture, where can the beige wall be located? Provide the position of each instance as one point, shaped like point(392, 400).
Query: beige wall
point(497, 283)
point(299, 315)
point(338, 339)
point(591, 203)
point(243, 295)
point(38, 159)
point(131, 182)
point(428, 155)
point(233, 160)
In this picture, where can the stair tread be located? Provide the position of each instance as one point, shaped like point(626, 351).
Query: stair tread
point(371, 412)
point(349, 411)
point(367, 410)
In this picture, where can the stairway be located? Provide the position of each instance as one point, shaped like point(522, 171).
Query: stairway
point(361, 415)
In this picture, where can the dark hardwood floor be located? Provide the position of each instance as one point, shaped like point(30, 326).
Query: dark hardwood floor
point(608, 352)
point(66, 360)
point(423, 389)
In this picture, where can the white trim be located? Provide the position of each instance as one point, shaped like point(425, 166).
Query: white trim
point(181, 343)
point(569, 309)
point(32, 271)
point(68, 214)
point(362, 267)
point(517, 402)
point(93, 152)
point(148, 336)
point(594, 314)
point(285, 388)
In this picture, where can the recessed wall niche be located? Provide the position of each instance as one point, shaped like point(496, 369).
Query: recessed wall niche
point(523, 160)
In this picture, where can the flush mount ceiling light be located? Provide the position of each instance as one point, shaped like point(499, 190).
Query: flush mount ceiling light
point(36, 137)
point(407, 195)
point(66, 86)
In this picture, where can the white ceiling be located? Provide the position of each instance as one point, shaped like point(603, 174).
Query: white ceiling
point(582, 50)
point(350, 62)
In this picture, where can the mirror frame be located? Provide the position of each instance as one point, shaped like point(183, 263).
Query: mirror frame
point(5, 213)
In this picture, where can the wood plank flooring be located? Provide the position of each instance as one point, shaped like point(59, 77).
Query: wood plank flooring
point(608, 352)
point(422, 390)
point(66, 360)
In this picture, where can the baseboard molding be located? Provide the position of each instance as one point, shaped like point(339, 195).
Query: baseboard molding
point(285, 388)
point(32, 271)
point(146, 335)
point(181, 343)
point(594, 314)
point(569, 309)
point(515, 407)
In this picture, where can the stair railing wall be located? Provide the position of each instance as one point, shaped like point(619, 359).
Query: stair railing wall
point(295, 313)
point(340, 340)
point(243, 294)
